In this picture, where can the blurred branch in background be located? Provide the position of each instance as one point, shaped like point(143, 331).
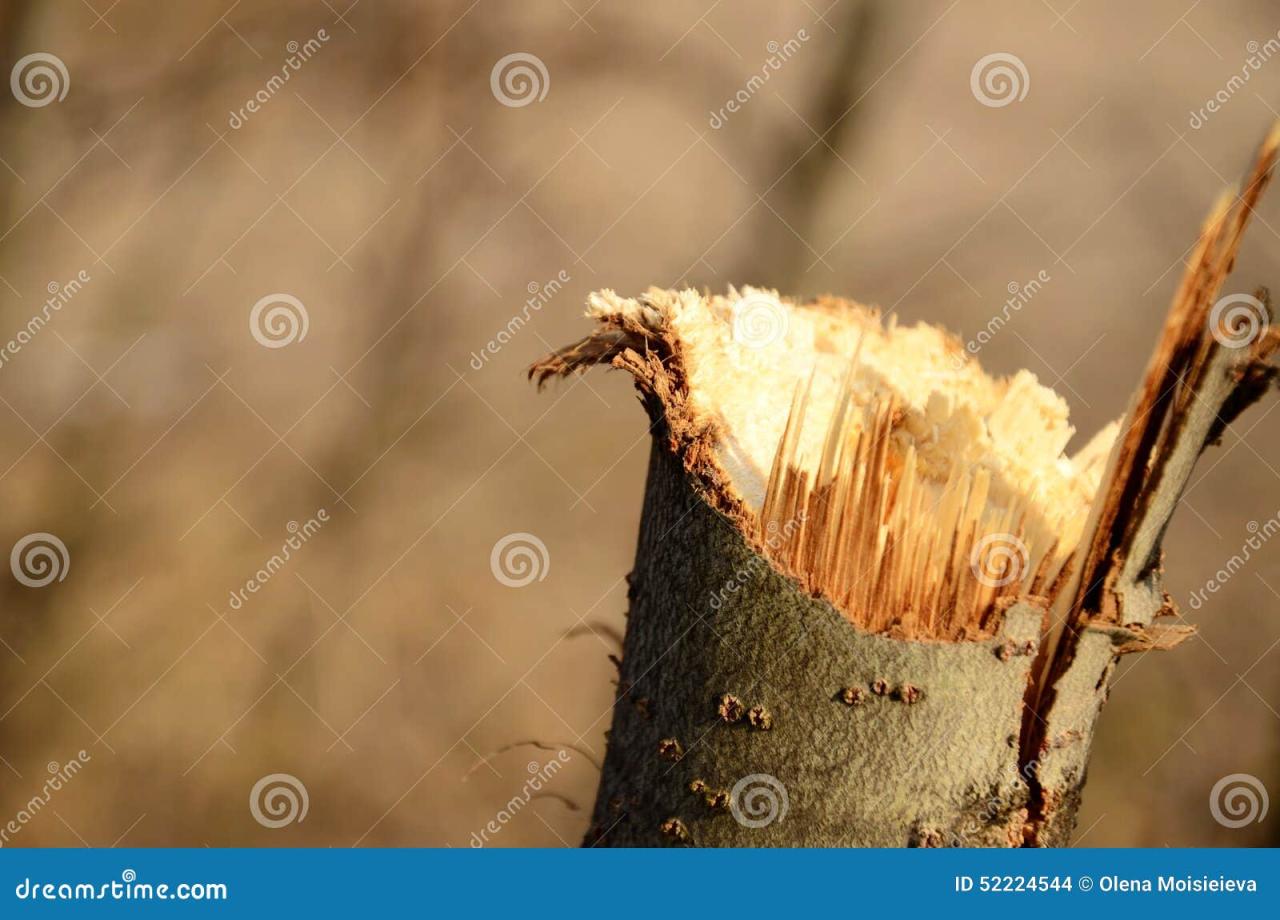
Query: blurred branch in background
point(803, 163)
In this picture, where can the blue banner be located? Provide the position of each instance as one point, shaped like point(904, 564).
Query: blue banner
point(654, 884)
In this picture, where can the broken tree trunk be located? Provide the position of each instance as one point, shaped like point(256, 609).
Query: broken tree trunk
point(894, 625)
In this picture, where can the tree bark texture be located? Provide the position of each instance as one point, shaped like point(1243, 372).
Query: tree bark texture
point(751, 712)
point(858, 739)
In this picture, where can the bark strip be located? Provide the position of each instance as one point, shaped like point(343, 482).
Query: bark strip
point(1212, 362)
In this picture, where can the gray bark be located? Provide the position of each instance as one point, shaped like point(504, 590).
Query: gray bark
point(923, 752)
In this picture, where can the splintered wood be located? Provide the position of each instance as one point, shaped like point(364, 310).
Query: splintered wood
point(889, 548)
point(898, 551)
point(882, 468)
point(1212, 361)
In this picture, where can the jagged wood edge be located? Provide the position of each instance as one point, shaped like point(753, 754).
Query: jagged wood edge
point(1195, 385)
point(1193, 388)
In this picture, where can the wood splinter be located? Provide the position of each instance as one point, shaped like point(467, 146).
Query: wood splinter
point(835, 499)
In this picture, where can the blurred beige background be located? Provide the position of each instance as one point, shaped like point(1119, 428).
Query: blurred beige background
point(409, 211)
